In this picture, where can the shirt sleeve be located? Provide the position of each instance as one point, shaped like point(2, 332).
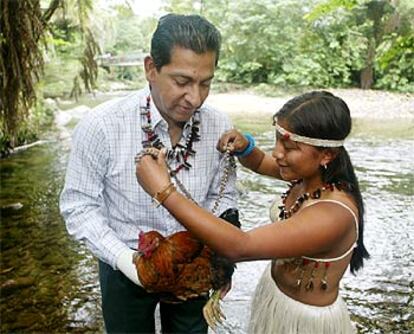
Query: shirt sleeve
point(230, 194)
point(81, 202)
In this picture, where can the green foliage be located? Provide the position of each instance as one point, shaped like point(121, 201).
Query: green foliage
point(185, 6)
point(318, 43)
point(383, 27)
point(257, 39)
point(132, 34)
point(396, 64)
point(327, 7)
point(118, 31)
point(311, 43)
point(41, 118)
point(58, 75)
point(272, 42)
point(64, 51)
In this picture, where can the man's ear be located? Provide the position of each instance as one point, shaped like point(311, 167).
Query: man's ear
point(150, 69)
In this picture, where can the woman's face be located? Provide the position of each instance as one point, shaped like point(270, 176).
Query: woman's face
point(297, 160)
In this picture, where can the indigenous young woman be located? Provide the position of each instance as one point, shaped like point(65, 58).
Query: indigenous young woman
point(318, 231)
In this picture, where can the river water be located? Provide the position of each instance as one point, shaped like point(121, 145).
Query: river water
point(49, 283)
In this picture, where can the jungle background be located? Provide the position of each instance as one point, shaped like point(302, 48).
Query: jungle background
point(51, 49)
point(60, 58)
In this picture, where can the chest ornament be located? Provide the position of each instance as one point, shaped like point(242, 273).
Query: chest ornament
point(308, 271)
point(181, 152)
point(285, 213)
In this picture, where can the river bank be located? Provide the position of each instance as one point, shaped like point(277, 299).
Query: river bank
point(375, 112)
point(372, 104)
point(362, 103)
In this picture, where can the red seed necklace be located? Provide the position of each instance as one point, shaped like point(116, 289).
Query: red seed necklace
point(302, 263)
point(180, 153)
point(287, 213)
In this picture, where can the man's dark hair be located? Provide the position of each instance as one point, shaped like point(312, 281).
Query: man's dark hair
point(191, 32)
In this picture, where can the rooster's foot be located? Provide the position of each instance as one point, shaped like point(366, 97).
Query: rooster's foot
point(212, 310)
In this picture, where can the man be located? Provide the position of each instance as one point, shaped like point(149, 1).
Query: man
point(103, 205)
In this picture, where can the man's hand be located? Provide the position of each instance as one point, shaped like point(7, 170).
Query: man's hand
point(151, 170)
point(126, 265)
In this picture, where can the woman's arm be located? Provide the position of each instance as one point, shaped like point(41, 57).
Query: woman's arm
point(261, 163)
point(257, 161)
point(312, 231)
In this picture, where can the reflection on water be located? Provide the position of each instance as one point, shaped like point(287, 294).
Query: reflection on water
point(49, 283)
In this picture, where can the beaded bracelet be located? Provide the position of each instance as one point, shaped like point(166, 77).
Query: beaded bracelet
point(162, 195)
point(249, 148)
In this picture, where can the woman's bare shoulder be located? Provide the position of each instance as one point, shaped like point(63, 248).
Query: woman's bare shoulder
point(342, 198)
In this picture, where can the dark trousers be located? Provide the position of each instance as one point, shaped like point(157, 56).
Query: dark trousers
point(128, 308)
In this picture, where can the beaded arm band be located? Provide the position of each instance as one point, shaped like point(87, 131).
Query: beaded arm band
point(308, 140)
point(249, 148)
point(162, 195)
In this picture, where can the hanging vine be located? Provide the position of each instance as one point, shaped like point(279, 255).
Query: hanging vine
point(89, 71)
point(22, 28)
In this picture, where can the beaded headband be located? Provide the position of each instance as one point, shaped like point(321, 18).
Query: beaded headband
point(308, 140)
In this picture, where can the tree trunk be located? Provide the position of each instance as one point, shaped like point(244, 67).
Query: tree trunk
point(367, 74)
point(375, 12)
point(367, 77)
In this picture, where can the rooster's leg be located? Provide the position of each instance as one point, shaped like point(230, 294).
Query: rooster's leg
point(212, 310)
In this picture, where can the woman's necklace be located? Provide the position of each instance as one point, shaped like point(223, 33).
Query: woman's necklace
point(287, 213)
point(302, 263)
point(179, 152)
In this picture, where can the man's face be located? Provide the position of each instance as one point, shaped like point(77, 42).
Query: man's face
point(181, 86)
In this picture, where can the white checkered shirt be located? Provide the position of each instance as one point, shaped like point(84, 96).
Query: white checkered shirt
point(102, 202)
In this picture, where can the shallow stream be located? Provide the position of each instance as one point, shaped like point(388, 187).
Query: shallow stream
point(49, 282)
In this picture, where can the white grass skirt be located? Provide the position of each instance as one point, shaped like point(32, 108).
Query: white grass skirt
point(273, 312)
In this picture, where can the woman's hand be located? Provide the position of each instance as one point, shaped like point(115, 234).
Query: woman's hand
point(232, 141)
point(151, 170)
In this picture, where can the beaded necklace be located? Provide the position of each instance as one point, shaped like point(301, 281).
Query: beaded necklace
point(287, 213)
point(182, 153)
point(179, 152)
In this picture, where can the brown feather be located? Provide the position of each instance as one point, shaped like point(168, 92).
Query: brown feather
point(180, 266)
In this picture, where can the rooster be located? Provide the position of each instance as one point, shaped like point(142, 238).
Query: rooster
point(180, 267)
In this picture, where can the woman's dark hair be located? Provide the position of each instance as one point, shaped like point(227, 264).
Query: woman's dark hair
point(320, 114)
point(191, 32)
